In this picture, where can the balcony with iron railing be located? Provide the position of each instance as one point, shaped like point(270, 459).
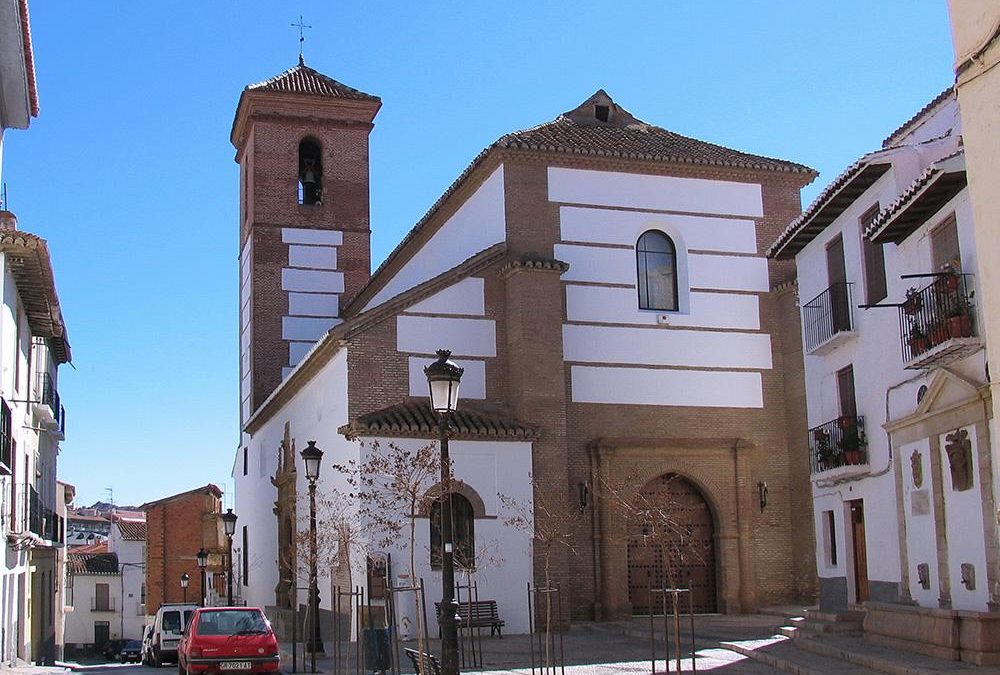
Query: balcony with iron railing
point(827, 319)
point(841, 442)
point(49, 408)
point(103, 604)
point(42, 520)
point(937, 323)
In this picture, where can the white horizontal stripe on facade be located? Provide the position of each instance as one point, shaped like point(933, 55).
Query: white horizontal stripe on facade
point(729, 273)
point(604, 304)
point(305, 328)
point(245, 387)
point(286, 371)
point(312, 280)
point(315, 257)
point(648, 346)
point(300, 235)
point(464, 337)
point(601, 265)
point(623, 228)
point(245, 260)
point(637, 386)
point(465, 297)
point(298, 350)
point(314, 304)
point(245, 339)
point(661, 193)
point(245, 410)
point(473, 385)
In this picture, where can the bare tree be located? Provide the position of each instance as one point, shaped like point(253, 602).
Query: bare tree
point(390, 487)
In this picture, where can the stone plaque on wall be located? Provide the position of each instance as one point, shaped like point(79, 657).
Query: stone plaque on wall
point(917, 469)
point(959, 449)
point(920, 503)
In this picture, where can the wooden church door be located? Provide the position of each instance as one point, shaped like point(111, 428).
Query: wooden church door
point(671, 546)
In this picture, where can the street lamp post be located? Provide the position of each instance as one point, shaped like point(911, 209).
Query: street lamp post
point(202, 564)
point(229, 525)
point(443, 378)
point(312, 456)
point(185, 580)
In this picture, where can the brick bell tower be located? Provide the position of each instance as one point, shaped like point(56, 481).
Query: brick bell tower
point(301, 142)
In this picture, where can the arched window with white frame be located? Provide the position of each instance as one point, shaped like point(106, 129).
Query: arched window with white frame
point(656, 271)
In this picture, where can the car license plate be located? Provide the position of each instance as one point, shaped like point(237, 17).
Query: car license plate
point(234, 665)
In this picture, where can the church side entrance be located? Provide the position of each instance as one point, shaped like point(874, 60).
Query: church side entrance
point(672, 544)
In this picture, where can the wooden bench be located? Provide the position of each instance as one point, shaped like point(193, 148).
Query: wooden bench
point(478, 614)
point(429, 660)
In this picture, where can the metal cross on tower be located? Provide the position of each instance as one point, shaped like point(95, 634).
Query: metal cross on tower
point(302, 37)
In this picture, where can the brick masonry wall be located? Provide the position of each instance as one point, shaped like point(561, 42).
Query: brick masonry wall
point(176, 530)
point(269, 173)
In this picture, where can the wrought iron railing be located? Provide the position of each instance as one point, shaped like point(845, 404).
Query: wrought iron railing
point(839, 442)
point(827, 315)
point(936, 314)
point(42, 520)
point(49, 395)
point(6, 439)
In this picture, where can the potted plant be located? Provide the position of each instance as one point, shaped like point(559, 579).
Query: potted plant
point(960, 319)
point(913, 303)
point(825, 457)
point(918, 340)
point(850, 445)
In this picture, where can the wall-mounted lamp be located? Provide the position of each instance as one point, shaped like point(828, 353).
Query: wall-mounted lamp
point(583, 493)
point(762, 494)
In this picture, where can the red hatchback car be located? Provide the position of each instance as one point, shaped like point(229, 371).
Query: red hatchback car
point(226, 639)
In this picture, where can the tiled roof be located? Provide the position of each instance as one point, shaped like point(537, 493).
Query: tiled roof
point(132, 530)
point(922, 198)
point(415, 418)
point(830, 203)
point(622, 135)
point(304, 80)
point(92, 548)
point(92, 563)
point(923, 111)
point(28, 257)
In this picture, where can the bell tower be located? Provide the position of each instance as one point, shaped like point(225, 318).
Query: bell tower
point(301, 141)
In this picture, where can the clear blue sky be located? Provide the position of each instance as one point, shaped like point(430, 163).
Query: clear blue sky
point(129, 174)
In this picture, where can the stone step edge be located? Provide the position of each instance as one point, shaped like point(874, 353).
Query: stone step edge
point(869, 661)
point(774, 661)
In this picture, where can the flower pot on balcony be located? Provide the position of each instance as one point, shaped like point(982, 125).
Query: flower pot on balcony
point(960, 326)
point(913, 303)
point(919, 343)
point(852, 456)
point(939, 333)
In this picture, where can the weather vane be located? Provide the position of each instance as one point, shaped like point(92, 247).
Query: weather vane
point(302, 37)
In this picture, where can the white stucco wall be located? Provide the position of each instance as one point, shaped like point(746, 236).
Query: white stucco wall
point(477, 224)
point(503, 553)
point(80, 622)
point(313, 414)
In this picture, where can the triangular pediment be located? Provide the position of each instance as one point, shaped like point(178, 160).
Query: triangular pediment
point(946, 390)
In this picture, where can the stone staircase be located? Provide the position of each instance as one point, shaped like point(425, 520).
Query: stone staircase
point(816, 624)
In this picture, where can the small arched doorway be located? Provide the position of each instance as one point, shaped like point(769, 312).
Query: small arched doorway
point(670, 544)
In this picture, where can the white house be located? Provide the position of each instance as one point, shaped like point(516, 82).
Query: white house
point(128, 542)
point(897, 387)
point(94, 591)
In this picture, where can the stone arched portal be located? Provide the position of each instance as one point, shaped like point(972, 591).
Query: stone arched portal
point(671, 545)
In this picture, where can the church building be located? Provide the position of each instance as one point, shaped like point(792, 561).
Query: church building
point(603, 283)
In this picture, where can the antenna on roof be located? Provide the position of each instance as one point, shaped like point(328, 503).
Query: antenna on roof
point(302, 38)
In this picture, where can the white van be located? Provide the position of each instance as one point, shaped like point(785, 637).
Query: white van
point(168, 627)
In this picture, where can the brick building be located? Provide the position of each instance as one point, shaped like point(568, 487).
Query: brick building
point(603, 283)
point(177, 527)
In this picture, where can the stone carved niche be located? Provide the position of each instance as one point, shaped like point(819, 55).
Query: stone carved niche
point(917, 469)
point(924, 575)
point(969, 576)
point(959, 449)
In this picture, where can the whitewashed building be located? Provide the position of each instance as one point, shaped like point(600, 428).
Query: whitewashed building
point(897, 385)
point(94, 591)
point(128, 543)
point(603, 283)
